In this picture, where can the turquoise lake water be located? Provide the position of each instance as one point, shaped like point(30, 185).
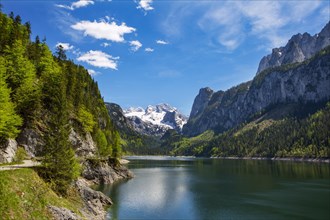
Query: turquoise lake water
point(188, 188)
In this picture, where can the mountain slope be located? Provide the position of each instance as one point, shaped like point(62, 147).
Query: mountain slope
point(304, 82)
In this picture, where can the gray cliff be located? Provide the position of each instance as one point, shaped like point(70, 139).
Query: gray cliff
point(299, 48)
point(307, 82)
point(201, 101)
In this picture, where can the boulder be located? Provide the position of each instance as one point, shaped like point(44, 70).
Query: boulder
point(95, 202)
point(104, 172)
point(8, 151)
point(62, 213)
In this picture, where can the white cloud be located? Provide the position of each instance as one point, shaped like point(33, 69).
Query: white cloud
point(145, 5)
point(99, 59)
point(161, 42)
point(135, 45)
point(65, 46)
point(104, 30)
point(232, 21)
point(105, 44)
point(223, 24)
point(78, 4)
point(92, 72)
point(148, 49)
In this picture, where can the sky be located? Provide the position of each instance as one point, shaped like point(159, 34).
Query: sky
point(146, 52)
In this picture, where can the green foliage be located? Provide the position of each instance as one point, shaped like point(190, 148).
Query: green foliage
point(60, 164)
point(22, 80)
point(9, 120)
point(51, 95)
point(102, 143)
point(20, 155)
point(86, 119)
point(193, 146)
point(115, 143)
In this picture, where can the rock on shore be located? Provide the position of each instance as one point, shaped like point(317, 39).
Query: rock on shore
point(105, 172)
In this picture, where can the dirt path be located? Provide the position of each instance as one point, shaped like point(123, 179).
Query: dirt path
point(25, 164)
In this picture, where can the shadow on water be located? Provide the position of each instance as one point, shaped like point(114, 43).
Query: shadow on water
point(187, 188)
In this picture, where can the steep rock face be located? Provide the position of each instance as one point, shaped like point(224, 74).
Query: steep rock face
point(201, 101)
point(8, 151)
point(84, 146)
point(299, 48)
point(122, 124)
point(307, 82)
point(32, 141)
point(155, 120)
point(175, 119)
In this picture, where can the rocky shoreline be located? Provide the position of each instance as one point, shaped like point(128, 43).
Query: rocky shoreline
point(95, 203)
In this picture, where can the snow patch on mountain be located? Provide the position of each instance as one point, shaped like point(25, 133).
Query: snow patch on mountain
point(156, 120)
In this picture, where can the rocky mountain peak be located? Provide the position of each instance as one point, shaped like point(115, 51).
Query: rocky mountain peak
point(201, 101)
point(165, 107)
point(155, 120)
point(325, 32)
point(299, 48)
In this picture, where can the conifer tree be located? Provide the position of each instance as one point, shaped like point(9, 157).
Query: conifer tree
point(61, 166)
point(60, 53)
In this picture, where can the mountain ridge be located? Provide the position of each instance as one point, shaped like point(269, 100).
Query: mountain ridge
point(293, 82)
point(155, 120)
point(298, 49)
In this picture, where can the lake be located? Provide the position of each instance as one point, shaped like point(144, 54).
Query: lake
point(189, 188)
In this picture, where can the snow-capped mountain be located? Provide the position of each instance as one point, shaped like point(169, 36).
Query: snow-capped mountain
point(155, 120)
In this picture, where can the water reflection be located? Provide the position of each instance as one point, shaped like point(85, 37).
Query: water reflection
point(222, 189)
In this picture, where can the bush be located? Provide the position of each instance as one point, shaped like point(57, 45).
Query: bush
point(86, 119)
point(20, 155)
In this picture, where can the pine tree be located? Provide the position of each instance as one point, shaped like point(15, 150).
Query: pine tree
point(61, 166)
point(60, 53)
point(116, 148)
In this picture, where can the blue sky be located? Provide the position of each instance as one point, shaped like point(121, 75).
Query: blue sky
point(159, 51)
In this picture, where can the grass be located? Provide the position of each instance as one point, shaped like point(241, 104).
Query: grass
point(24, 195)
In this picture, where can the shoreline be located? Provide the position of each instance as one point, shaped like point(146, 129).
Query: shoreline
point(293, 159)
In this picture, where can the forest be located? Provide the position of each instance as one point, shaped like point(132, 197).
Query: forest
point(304, 133)
point(51, 95)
